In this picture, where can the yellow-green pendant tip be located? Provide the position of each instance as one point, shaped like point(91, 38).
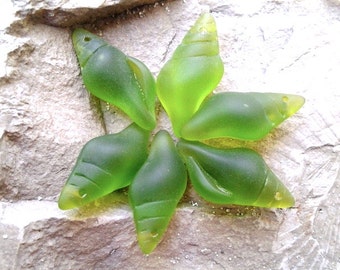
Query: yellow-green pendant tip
point(283, 200)
point(148, 241)
point(294, 103)
point(205, 23)
point(69, 198)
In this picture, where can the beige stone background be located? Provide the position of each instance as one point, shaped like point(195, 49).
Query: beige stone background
point(46, 116)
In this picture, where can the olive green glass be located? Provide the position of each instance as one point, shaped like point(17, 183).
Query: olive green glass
point(156, 191)
point(105, 164)
point(233, 176)
point(157, 174)
point(193, 71)
point(116, 78)
point(246, 116)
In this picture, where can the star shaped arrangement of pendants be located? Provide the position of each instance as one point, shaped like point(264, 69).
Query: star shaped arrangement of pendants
point(155, 168)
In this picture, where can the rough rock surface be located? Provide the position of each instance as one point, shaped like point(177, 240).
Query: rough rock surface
point(46, 116)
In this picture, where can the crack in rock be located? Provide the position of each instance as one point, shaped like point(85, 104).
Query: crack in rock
point(68, 13)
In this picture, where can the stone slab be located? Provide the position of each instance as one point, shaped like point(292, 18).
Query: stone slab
point(47, 116)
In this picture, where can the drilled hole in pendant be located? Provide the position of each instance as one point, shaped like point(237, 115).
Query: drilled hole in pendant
point(87, 39)
point(285, 99)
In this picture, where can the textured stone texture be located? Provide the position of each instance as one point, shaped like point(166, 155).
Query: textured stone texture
point(46, 117)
